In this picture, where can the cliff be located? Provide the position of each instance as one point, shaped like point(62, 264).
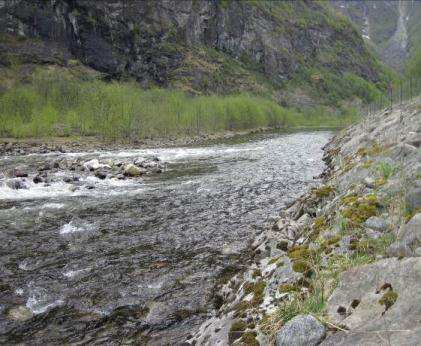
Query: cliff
point(391, 27)
point(299, 52)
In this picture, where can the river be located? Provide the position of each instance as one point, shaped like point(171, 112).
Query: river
point(135, 261)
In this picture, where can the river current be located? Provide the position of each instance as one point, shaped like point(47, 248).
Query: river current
point(135, 261)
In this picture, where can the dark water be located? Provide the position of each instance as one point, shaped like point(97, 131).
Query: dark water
point(134, 261)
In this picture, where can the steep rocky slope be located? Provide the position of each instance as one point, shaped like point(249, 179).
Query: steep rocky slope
point(302, 48)
point(392, 27)
point(342, 265)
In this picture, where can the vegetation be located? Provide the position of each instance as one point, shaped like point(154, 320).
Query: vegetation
point(55, 103)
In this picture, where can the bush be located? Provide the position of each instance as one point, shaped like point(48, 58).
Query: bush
point(57, 104)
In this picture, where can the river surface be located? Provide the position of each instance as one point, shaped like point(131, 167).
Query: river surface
point(132, 261)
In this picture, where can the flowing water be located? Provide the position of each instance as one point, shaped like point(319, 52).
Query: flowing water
point(136, 260)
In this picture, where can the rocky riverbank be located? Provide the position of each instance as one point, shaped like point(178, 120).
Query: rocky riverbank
point(13, 147)
point(342, 264)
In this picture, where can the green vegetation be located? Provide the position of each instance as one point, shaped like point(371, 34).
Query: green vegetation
point(55, 103)
point(414, 64)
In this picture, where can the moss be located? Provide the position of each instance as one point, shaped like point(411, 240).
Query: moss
point(274, 260)
point(257, 289)
point(380, 182)
point(367, 164)
point(300, 252)
point(249, 339)
point(302, 267)
point(360, 209)
point(388, 299)
point(320, 223)
point(256, 273)
point(332, 241)
point(236, 330)
point(288, 288)
point(323, 192)
point(241, 307)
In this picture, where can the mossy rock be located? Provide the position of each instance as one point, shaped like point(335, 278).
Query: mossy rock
point(359, 209)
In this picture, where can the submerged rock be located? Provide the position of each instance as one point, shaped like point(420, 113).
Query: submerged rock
point(302, 330)
point(16, 184)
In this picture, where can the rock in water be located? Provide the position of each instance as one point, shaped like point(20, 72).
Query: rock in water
point(302, 330)
point(132, 170)
point(92, 165)
point(16, 184)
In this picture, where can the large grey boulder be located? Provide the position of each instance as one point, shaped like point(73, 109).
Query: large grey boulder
point(359, 304)
point(413, 199)
point(376, 223)
point(408, 243)
point(302, 330)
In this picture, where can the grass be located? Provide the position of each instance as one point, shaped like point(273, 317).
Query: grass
point(54, 103)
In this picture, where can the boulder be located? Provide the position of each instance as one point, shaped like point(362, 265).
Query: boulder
point(16, 184)
point(19, 172)
point(92, 165)
point(38, 179)
point(413, 198)
point(414, 138)
point(408, 243)
point(376, 223)
point(376, 303)
point(302, 330)
point(132, 170)
point(100, 174)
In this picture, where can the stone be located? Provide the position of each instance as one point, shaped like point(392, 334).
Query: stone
point(19, 172)
point(408, 242)
point(414, 138)
point(92, 165)
point(376, 223)
point(16, 184)
point(413, 199)
point(38, 179)
point(20, 313)
point(302, 330)
point(370, 182)
point(100, 174)
point(131, 170)
point(358, 304)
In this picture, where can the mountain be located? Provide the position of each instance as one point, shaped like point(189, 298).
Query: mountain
point(300, 53)
point(393, 28)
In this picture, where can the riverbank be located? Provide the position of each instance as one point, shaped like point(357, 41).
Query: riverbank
point(342, 264)
point(25, 146)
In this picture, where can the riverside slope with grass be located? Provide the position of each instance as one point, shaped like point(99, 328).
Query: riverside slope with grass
point(342, 265)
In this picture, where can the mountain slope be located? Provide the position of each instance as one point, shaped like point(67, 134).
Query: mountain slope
point(299, 52)
point(392, 27)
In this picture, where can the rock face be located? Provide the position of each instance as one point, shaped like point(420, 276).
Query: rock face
point(388, 25)
point(303, 330)
point(162, 41)
point(369, 320)
point(408, 243)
